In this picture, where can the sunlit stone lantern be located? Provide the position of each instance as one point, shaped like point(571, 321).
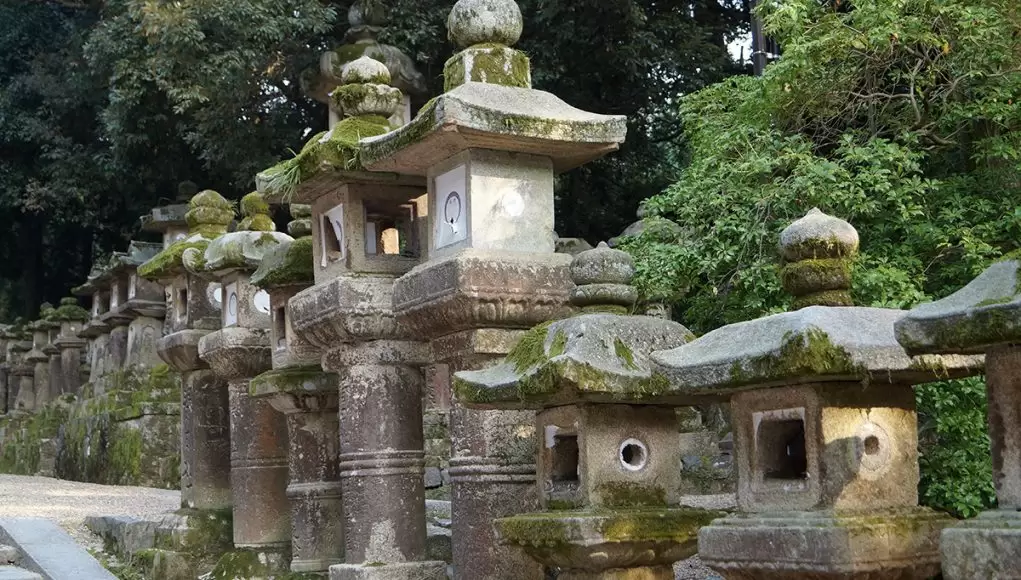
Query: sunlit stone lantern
point(237, 352)
point(194, 311)
point(609, 459)
point(489, 149)
point(825, 428)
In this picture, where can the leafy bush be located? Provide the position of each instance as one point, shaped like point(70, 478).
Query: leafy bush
point(899, 116)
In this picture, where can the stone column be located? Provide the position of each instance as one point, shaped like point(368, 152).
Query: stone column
point(238, 352)
point(491, 269)
point(70, 346)
point(40, 362)
point(982, 318)
point(308, 398)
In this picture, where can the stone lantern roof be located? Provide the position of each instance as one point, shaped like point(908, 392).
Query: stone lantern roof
point(366, 100)
point(289, 263)
point(208, 217)
point(489, 104)
point(69, 311)
point(599, 356)
point(984, 314)
point(239, 250)
point(818, 343)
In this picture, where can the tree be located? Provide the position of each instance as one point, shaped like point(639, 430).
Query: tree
point(900, 117)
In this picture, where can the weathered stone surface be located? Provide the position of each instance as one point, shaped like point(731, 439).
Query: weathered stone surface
point(205, 441)
point(488, 116)
point(813, 344)
point(236, 351)
point(983, 314)
point(484, 21)
point(48, 550)
point(479, 289)
point(988, 546)
point(345, 309)
point(895, 544)
point(588, 358)
point(1003, 382)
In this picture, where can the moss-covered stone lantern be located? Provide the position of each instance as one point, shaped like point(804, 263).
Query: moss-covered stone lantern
point(366, 228)
point(194, 311)
point(983, 317)
point(606, 439)
point(825, 427)
point(489, 148)
point(21, 389)
point(237, 352)
point(308, 398)
point(71, 317)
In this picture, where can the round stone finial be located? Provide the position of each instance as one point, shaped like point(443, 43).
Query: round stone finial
point(69, 301)
point(819, 250)
point(300, 225)
point(256, 212)
point(209, 213)
point(474, 22)
point(603, 280)
point(365, 70)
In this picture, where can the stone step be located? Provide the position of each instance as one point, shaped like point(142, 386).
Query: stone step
point(15, 573)
point(9, 555)
point(48, 550)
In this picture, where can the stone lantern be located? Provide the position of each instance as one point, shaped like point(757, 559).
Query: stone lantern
point(366, 230)
point(170, 220)
point(71, 318)
point(367, 20)
point(237, 352)
point(20, 377)
point(95, 331)
point(308, 398)
point(39, 358)
point(137, 308)
point(609, 459)
point(5, 367)
point(194, 311)
point(983, 317)
point(489, 149)
point(825, 428)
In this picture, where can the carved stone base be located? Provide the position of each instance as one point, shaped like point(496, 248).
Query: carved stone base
point(988, 546)
point(901, 544)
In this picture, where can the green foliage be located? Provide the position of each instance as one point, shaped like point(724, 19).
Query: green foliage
point(954, 445)
point(900, 117)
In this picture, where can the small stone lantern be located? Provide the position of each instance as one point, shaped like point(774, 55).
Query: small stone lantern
point(21, 395)
point(238, 352)
point(142, 303)
point(609, 458)
point(984, 317)
point(71, 318)
point(308, 398)
point(194, 311)
point(366, 231)
point(39, 357)
point(824, 423)
point(489, 148)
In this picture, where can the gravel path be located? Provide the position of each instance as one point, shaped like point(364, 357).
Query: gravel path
point(69, 502)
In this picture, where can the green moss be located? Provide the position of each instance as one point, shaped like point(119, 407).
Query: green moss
point(984, 327)
point(169, 262)
point(239, 564)
point(530, 350)
point(306, 379)
point(537, 530)
point(624, 354)
point(423, 124)
point(819, 248)
point(801, 355)
point(493, 64)
point(562, 504)
point(626, 494)
point(289, 264)
point(995, 301)
point(253, 204)
point(825, 298)
point(677, 525)
point(125, 455)
point(70, 311)
point(932, 364)
point(813, 276)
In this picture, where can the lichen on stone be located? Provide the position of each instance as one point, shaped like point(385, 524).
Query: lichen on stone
point(290, 263)
point(808, 353)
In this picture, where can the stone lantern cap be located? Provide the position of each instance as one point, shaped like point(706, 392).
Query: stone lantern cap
point(69, 311)
point(366, 100)
point(817, 343)
point(984, 314)
point(599, 356)
point(165, 217)
point(489, 104)
point(240, 250)
point(288, 264)
point(208, 217)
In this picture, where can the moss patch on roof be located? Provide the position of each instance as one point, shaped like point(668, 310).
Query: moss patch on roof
point(288, 264)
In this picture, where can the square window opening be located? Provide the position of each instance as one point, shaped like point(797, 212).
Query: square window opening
point(781, 450)
point(280, 327)
point(564, 466)
point(182, 302)
point(331, 231)
point(390, 231)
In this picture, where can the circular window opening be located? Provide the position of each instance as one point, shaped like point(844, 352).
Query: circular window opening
point(634, 455)
point(871, 445)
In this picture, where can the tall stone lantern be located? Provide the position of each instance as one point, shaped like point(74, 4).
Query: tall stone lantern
point(825, 428)
point(983, 317)
point(194, 311)
point(39, 357)
point(21, 381)
point(609, 460)
point(95, 330)
point(139, 301)
point(308, 398)
point(366, 231)
point(70, 345)
point(237, 352)
point(489, 149)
